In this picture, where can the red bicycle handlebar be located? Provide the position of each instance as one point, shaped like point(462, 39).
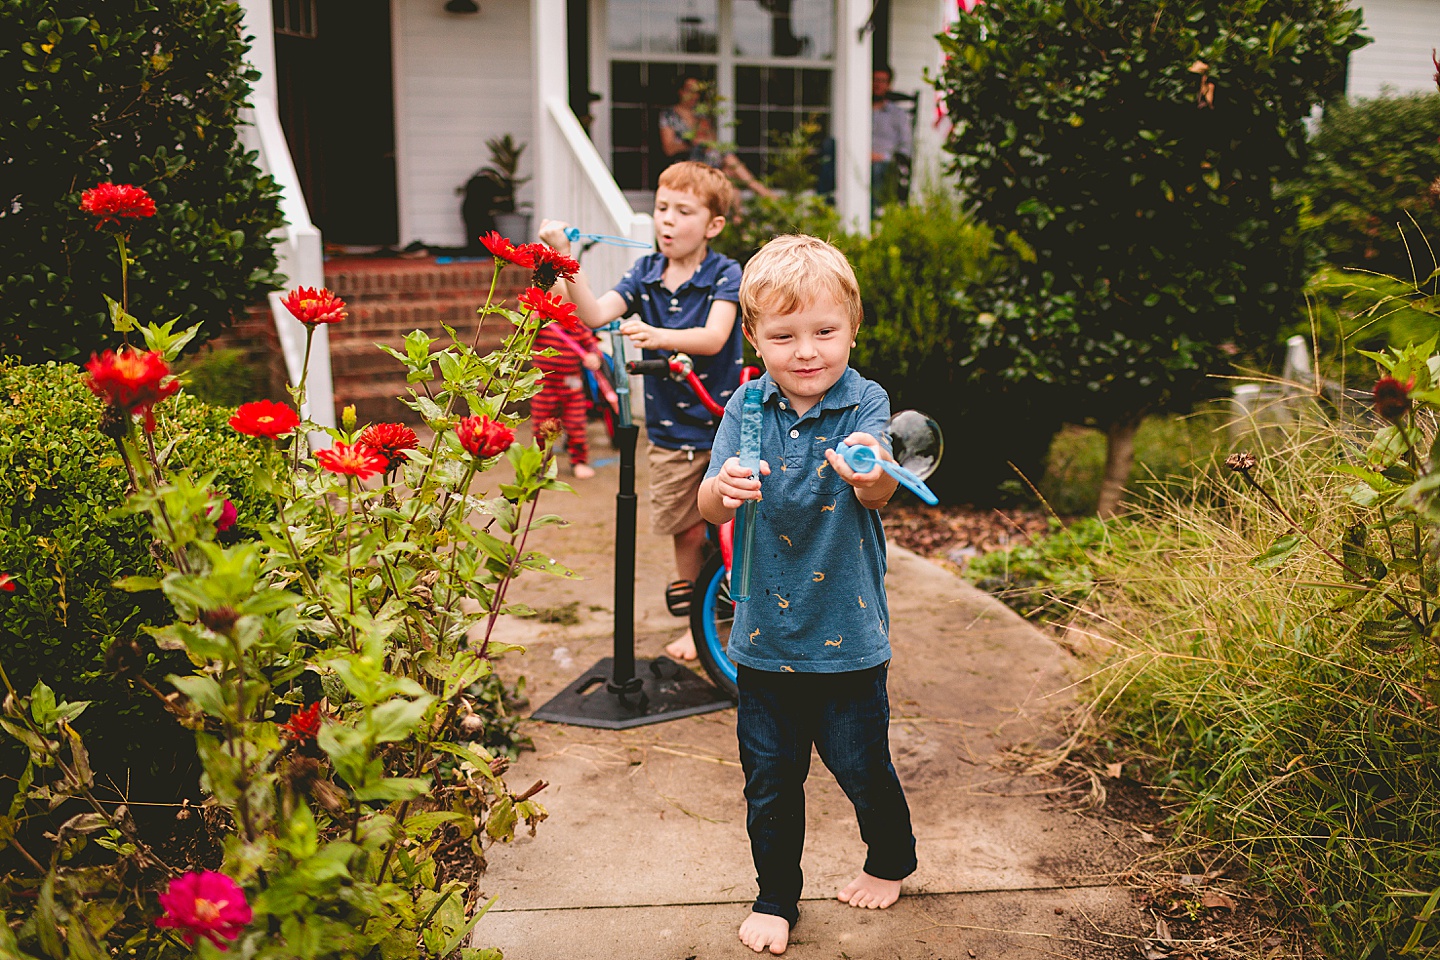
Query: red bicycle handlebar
point(679, 369)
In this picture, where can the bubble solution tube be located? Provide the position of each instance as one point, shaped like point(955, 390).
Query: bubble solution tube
point(862, 459)
point(752, 420)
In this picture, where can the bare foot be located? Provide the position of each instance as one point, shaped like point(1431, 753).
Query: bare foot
point(682, 647)
point(583, 471)
point(870, 892)
point(762, 930)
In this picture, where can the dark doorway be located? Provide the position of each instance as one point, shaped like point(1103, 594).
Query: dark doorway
point(332, 65)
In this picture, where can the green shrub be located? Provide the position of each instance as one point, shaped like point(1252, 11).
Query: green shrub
point(795, 208)
point(1282, 700)
point(225, 378)
point(1367, 185)
point(61, 483)
point(1170, 452)
point(1047, 579)
point(920, 275)
point(147, 94)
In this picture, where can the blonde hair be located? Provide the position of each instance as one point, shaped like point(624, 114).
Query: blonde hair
point(704, 181)
point(789, 273)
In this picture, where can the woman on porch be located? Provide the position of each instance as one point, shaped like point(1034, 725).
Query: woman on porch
point(687, 132)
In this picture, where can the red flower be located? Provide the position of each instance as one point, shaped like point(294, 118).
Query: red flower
point(309, 305)
point(208, 905)
point(228, 516)
point(484, 438)
point(131, 381)
point(7, 583)
point(549, 265)
point(303, 724)
point(264, 418)
point(551, 307)
point(1392, 398)
point(390, 440)
point(352, 460)
point(502, 249)
point(111, 201)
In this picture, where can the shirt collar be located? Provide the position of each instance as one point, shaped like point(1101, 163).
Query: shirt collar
point(704, 275)
point(844, 393)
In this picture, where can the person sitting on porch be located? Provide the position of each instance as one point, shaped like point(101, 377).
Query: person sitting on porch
point(892, 135)
point(688, 133)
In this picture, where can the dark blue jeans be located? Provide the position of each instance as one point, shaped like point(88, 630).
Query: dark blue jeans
point(846, 716)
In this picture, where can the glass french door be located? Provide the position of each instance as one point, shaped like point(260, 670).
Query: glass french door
point(769, 62)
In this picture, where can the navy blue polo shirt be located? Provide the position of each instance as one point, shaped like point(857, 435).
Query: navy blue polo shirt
point(817, 579)
point(674, 416)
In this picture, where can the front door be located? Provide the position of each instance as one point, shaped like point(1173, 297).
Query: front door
point(333, 68)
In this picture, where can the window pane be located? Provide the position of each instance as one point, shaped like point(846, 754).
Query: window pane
point(664, 26)
point(747, 86)
point(625, 83)
point(816, 88)
point(628, 172)
point(780, 89)
point(785, 28)
point(627, 127)
point(625, 18)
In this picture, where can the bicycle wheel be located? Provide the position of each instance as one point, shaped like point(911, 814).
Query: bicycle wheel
point(711, 614)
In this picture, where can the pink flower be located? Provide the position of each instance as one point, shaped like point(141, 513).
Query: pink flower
point(311, 306)
point(110, 201)
point(7, 583)
point(208, 905)
point(352, 460)
point(484, 438)
point(227, 518)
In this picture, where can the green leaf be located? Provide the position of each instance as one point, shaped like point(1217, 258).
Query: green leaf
point(397, 719)
point(203, 691)
point(1278, 552)
point(500, 825)
point(137, 584)
point(394, 788)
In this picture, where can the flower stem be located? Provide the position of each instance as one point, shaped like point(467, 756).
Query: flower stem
point(124, 282)
point(349, 555)
point(485, 310)
point(500, 588)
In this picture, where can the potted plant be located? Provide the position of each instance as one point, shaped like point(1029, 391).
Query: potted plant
point(490, 194)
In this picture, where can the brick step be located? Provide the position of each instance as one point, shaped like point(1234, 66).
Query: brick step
point(359, 280)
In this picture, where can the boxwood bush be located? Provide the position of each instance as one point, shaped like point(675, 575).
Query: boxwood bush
point(147, 94)
point(64, 541)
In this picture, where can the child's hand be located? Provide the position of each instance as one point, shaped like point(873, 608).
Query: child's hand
point(735, 485)
point(553, 233)
point(645, 336)
point(591, 361)
point(873, 486)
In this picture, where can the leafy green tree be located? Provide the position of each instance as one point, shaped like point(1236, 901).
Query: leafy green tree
point(1136, 146)
point(146, 94)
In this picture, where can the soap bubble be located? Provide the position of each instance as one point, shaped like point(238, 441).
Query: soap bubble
point(916, 442)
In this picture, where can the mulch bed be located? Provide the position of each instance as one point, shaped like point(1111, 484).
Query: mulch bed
point(956, 534)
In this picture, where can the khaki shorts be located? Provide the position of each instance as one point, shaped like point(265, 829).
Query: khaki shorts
point(675, 477)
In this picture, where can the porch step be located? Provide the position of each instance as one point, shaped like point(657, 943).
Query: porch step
point(387, 299)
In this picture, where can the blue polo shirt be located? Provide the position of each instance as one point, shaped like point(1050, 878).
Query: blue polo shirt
point(674, 416)
point(817, 579)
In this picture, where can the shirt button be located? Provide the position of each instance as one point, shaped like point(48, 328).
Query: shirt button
point(794, 434)
point(782, 404)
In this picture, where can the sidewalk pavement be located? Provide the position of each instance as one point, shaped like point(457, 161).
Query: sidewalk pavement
point(645, 855)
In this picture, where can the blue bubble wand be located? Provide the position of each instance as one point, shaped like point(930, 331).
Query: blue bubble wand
point(752, 420)
point(575, 233)
point(862, 459)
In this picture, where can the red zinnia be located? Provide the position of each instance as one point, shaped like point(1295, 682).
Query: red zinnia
point(303, 724)
point(353, 460)
point(228, 516)
point(131, 381)
point(502, 249)
point(390, 440)
point(549, 265)
point(111, 201)
point(315, 306)
point(264, 418)
point(1392, 398)
point(551, 307)
point(7, 583)
point(208, 905)
point(484, 438)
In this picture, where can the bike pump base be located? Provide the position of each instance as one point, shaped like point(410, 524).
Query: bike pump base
point(618, 692)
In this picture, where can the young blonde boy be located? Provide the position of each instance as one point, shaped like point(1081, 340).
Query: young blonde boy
point(812, 641)
point(685, 297)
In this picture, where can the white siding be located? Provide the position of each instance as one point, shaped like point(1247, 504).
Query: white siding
point(913, 51)
point(1404, 31)
point(459, 80)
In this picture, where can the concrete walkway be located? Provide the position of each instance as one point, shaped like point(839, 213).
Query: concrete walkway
point(645, 854)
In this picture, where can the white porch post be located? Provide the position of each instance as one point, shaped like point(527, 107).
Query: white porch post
point(298, 248)
point(549, 51)
point(852, 115)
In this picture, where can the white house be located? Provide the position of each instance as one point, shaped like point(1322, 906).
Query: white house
point(1405, 32)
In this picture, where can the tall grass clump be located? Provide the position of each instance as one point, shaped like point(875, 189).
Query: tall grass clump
point(1276, 664)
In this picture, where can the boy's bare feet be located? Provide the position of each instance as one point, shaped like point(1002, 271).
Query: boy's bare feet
point(870, 892)
point(682, 647)
point(583, 471)
point(765, 930)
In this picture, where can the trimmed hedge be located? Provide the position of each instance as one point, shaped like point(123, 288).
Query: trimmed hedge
point(64, 540)
point(144, 93)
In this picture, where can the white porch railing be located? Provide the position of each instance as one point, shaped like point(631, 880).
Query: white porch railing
point(579, 189)
point(298, 248)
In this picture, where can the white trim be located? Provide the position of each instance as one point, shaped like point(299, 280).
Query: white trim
point(850, 97)
point(403, 207)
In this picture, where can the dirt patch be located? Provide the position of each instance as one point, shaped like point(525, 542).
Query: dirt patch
point(954, 534)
